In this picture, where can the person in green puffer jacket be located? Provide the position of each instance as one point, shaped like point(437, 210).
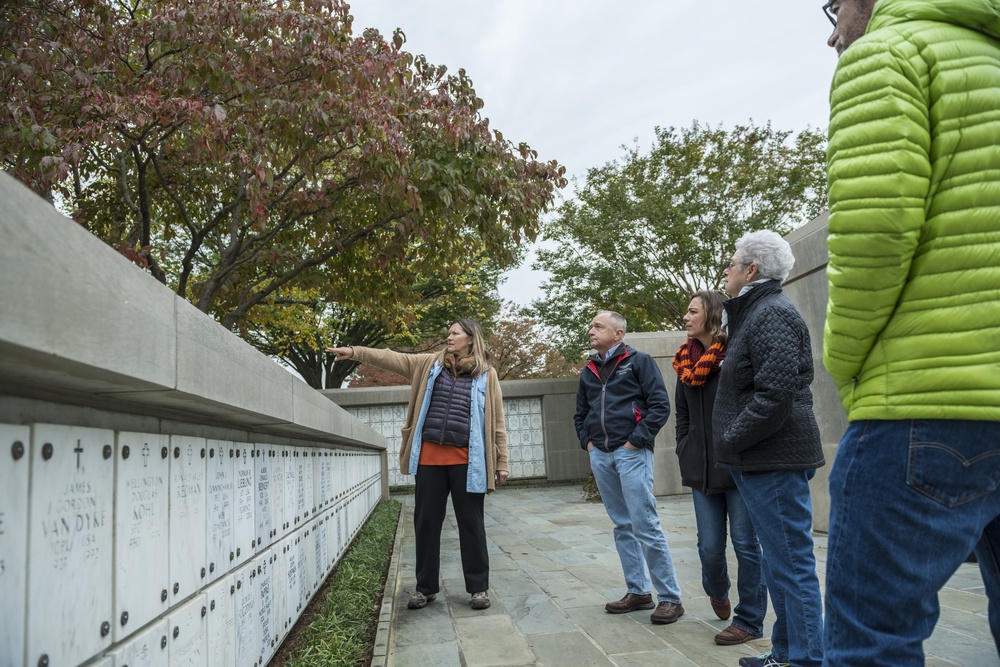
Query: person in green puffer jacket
point(912, 336)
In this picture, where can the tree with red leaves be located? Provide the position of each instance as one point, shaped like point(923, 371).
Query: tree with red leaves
point(247, 152)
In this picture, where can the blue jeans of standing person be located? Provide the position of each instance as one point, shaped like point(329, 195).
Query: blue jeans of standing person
point(781, 510)
point(625, 479)
point(909, 500)
point(711, 511)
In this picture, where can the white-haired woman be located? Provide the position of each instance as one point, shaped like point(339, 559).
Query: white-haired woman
point(765, 432)
point(455, 442)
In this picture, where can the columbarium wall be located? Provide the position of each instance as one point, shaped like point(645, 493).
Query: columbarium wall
point(168, 495)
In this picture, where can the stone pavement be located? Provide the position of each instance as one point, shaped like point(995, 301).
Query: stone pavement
point(554, 565)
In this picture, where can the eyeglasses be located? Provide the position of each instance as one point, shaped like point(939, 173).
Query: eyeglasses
point(734, 264)
point(830, 14)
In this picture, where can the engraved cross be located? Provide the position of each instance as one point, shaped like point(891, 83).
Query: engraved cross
point(78, 450)
point(145, 455)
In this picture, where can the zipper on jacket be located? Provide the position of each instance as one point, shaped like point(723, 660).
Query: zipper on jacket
point(604, 389)
point(447, 411)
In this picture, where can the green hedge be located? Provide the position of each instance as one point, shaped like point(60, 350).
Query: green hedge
point(338, 628)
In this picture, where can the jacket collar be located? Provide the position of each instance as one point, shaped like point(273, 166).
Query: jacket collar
point(594, 363)
point(622, 351)
point(737, 307)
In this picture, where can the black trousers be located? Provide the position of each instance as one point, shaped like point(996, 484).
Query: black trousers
point(434, 483)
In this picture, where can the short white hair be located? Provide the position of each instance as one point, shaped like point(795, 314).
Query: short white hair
point(771, 253)
point(615, 319)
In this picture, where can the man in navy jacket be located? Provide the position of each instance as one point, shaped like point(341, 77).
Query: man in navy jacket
point(620, 406)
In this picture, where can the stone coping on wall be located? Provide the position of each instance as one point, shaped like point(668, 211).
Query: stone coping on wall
point(79, 324)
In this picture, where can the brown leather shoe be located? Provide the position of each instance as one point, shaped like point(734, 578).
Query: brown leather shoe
point(732, 636)
point(667, 612)
point(630, 602)
point(722, 609)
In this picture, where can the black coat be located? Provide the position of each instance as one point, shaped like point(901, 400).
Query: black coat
point(763, 418)
point(630, 405)
point(695, 453)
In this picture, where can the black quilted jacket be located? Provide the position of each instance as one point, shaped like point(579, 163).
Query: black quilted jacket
point(763, 418)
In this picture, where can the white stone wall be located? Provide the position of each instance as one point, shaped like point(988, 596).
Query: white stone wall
point(150, 549)
point(168, 494)
point(387, 421)
point(525, 442)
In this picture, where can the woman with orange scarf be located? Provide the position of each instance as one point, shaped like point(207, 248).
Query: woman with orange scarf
point(716, 498)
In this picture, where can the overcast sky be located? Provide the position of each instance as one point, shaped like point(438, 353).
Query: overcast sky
point(578, 79)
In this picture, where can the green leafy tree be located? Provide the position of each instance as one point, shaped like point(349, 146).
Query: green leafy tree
point(521, 350)
point(644, 232)
point(242, 150)
point(299, 327)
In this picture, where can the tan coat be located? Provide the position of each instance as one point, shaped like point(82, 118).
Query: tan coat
point(416, 368)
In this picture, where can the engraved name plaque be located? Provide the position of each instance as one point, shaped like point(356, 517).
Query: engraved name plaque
point(293, 589)
point(221, 491)
point(310, 470)
point(147, 649)
point(246, 616)
point(279, 561)
point(321, 552)
point(309, 549)
point(262, 487)
point(188, 631)
point(142, 515)
point(70, 537)
point(188, 515)
point(265, 609)
point(221, 600)
point(279, 527)
point(291, 489)
point(245, 510)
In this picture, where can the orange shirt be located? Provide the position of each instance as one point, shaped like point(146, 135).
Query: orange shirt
point(436, 454)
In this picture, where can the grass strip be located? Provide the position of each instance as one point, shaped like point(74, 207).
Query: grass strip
point(338, 627)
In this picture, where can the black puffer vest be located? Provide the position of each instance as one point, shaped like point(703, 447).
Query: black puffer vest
point(448, 415)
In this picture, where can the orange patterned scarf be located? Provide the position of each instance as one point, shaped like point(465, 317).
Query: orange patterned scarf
point(694, 364)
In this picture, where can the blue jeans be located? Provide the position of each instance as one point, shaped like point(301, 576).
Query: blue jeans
point(909, 500)
point(711, 512)
point(781, 510)
point(625, 479)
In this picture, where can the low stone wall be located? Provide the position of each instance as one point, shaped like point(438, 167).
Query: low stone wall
point(541, 439)
point(168, 495)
